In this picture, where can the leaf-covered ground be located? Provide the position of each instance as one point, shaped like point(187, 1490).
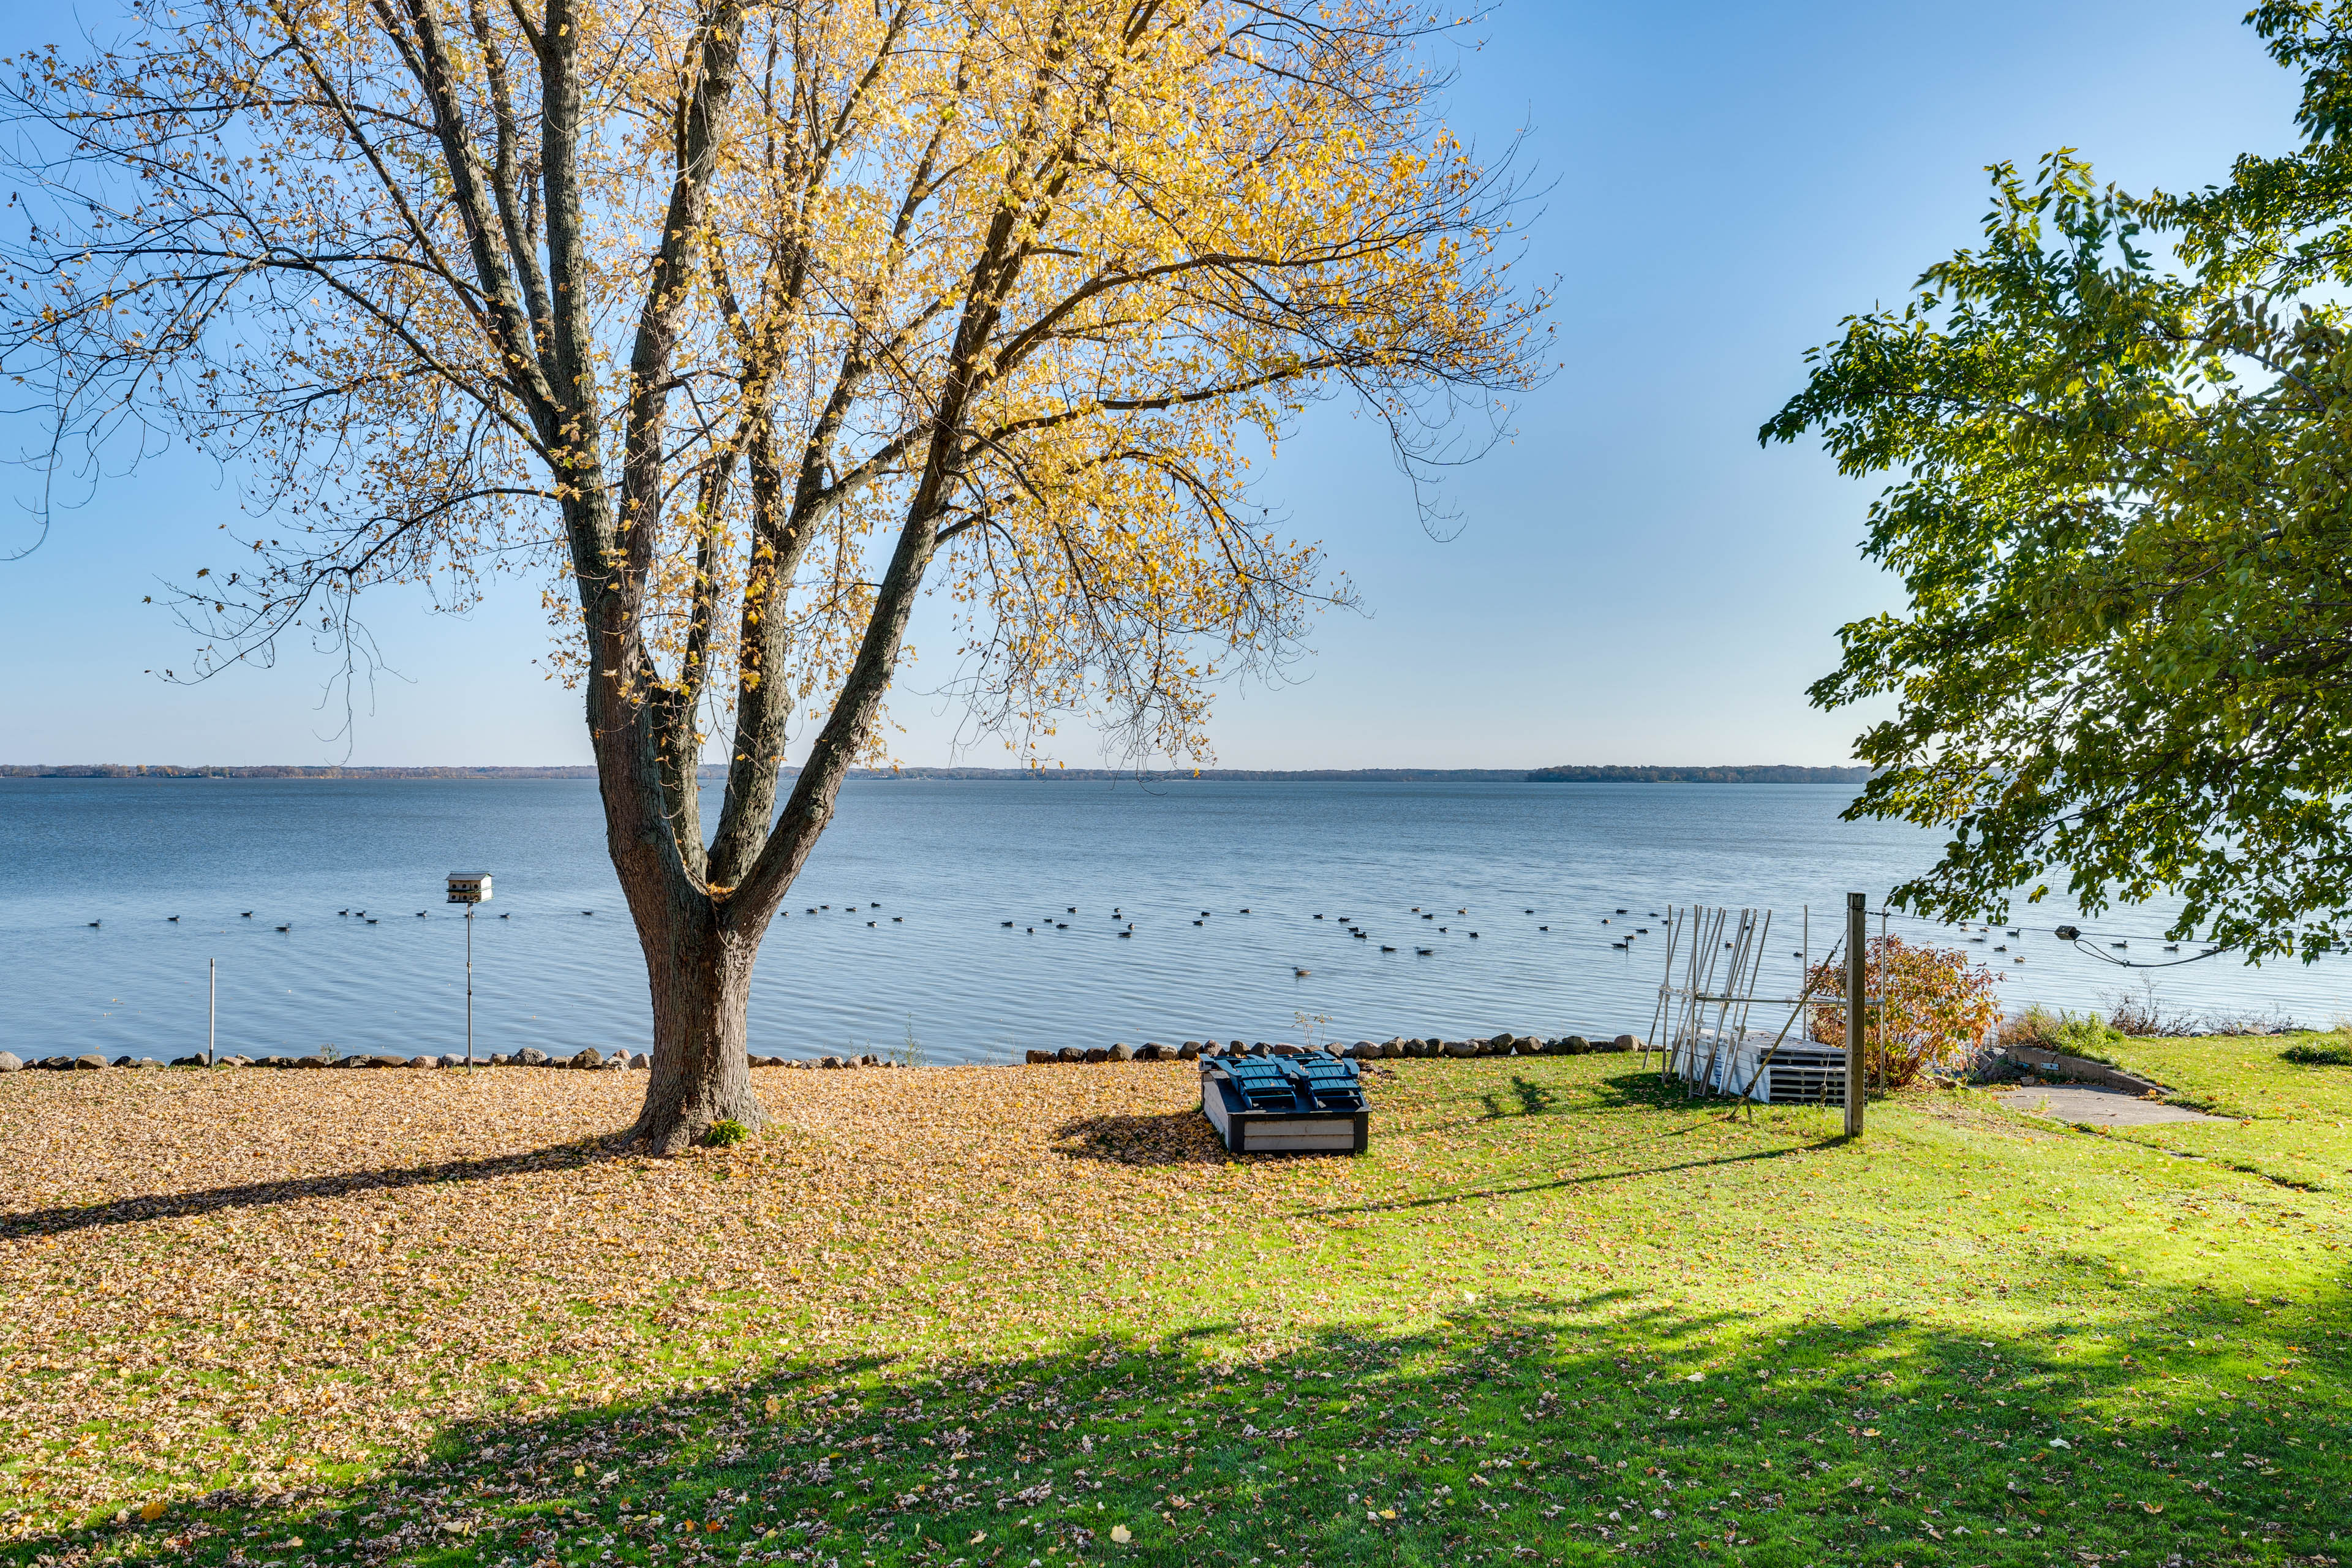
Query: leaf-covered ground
point(1036, 1315)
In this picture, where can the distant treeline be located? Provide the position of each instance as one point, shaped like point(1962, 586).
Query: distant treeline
point(1376, 776)
point(713, 771)
point(274, 771)
point(1771, 775)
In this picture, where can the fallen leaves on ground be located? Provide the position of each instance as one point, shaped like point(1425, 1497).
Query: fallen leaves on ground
point(418, 1319)
point(209, 1275)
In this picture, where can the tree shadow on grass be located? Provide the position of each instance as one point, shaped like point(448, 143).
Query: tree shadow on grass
point(1533, 1099)
point(1643, 1086)
point(263, 1195)
point(1654, 1127)
point(1636, 1093)
point(1539, 1429)
point(1439, 1199)
point(1163, 1138)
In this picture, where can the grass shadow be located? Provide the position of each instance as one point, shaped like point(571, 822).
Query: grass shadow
point(1163, 1138)
point(260, 1195)
point(1439, 1199)
point(1534, 1428)
point(1533, 1099)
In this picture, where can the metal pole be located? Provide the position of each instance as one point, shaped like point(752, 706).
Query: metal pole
point(469, 987)
point(1885, 1018)
point(1756, 967)
point(1660, 1014)
point(212, 1008)
point(1857, 941)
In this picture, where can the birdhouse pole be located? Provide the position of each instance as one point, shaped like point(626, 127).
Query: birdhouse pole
point(212, 1008)
point(469, 887)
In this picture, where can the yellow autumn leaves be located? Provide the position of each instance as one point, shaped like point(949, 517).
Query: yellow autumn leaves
point(775, 317)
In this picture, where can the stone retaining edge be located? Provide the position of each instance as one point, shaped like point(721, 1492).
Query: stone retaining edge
point(2083, 1069)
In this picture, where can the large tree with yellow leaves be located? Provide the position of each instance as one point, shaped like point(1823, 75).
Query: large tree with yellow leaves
point(758, 321)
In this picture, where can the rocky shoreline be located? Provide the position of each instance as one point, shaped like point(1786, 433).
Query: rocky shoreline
point(592, 1059)
point(1362, 1050)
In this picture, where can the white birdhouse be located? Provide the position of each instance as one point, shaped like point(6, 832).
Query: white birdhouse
point(469, 886)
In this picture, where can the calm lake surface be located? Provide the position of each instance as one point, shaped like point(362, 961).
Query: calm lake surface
point(946, 862)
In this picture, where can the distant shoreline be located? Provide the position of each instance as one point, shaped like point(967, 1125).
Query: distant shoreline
point(1770, 774)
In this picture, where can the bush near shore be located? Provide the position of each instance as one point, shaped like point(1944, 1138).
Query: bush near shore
point(1559, 1313)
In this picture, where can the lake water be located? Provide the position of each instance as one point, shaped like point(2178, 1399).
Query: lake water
point(946, 862)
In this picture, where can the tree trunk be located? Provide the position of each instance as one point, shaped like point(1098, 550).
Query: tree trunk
point(702, 982)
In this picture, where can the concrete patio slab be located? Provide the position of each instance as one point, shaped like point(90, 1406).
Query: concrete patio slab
point(2072, 1102)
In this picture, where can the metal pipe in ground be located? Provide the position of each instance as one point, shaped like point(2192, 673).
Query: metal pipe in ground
point(1857, 940)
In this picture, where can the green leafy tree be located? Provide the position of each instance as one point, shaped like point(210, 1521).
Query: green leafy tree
point(2121, 509)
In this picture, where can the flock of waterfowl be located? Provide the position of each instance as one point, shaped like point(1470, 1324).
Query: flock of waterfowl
point(1123, 925)
point(361, 915)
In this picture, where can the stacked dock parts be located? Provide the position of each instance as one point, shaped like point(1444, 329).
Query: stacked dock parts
point(1714, 958)
point(1775, 1071)
point(1703, 1000)
point(1310, 1103)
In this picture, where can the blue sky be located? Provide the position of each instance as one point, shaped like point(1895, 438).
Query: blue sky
point(1633, 580)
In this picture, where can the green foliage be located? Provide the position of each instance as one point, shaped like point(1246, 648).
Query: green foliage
point(2030, 1027)
point(2119, 510)
point(2085, 1034)
point(726, 1132)
point(2313, 1054)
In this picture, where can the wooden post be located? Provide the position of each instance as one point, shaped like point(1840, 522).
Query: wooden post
point(1857, 972)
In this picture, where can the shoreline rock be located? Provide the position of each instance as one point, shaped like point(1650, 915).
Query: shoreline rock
point(590, 1058)
point(1419, 1049)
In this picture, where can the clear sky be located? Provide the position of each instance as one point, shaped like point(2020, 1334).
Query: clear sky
point(1633, 580)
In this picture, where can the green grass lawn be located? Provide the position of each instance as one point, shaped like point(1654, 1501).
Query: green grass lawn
point(1559, 1314)
point(2294, 1121)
